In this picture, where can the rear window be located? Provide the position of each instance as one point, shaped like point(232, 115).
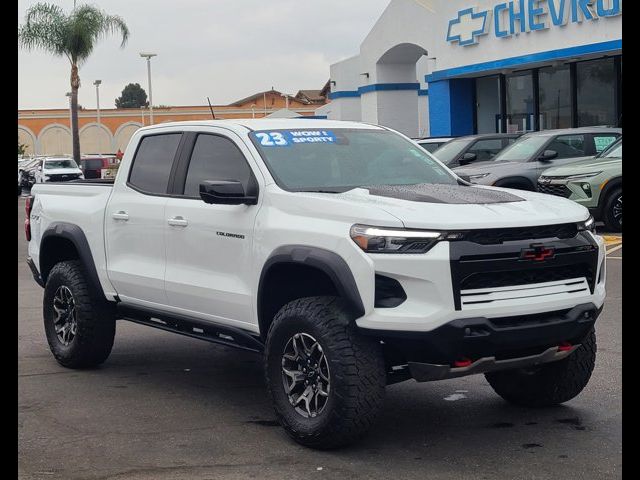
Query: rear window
point(92, 164)
point(153, 161)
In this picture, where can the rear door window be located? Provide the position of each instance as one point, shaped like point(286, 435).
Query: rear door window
point(602, 141)
point(153, 162)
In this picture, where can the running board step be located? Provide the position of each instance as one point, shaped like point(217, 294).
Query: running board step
point(191, 327)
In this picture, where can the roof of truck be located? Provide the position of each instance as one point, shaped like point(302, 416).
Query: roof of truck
point(269, 124)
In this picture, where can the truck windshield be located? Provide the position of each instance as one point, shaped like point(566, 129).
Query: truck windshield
point(337, 160)
point(522, 150)
point(62, 163)
point(451, 150)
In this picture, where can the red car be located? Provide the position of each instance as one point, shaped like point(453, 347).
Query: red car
point(92, 165)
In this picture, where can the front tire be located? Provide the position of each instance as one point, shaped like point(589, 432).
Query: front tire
point(80, 326)
point(613, 211)
point(326, 381)
point(550, 384)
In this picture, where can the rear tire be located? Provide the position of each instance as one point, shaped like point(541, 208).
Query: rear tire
point(613, 211)
point(355, 373)
point(550, 384)
point(79, 324)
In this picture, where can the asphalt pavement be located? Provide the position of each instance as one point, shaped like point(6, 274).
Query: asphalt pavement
point(165, 406)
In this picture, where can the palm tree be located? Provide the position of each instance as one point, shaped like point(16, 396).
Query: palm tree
point(74, 35)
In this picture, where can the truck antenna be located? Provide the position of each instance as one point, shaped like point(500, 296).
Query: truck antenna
point(211, 108)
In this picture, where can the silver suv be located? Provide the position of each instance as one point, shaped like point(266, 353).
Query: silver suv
point(521, 163)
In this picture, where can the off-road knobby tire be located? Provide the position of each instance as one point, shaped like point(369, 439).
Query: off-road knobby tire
point(550, 384)
point(357, 373)
point(95, 318)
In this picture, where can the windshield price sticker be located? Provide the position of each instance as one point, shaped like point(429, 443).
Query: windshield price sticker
point(291, 137)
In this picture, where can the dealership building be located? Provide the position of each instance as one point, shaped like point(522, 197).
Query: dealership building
point(458, 67)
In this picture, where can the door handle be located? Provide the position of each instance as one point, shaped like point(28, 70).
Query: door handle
point(178, 221)
point(121, 215)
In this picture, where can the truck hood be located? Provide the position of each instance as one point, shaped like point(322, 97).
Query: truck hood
point(587, 165)
point(61, 171)
point(453, 207)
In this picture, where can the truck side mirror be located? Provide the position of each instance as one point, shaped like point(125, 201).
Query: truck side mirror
point(467, 158)
point(548, 155)
point(226, 192)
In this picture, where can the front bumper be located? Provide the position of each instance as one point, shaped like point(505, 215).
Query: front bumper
point(489, 343)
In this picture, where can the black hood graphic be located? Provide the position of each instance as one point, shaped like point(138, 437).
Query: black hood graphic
point(438, 193)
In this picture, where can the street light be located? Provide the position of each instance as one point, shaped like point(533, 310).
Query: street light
point(148, 56)
point(97, 84)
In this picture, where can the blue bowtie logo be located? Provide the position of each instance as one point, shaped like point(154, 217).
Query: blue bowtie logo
point(468, 27)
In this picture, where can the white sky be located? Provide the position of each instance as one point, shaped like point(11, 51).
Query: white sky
point(226, 49)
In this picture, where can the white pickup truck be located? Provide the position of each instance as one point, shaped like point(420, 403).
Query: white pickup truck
point(343, 252)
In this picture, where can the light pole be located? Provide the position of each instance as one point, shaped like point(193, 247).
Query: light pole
point(148, 56)
point(97, 84)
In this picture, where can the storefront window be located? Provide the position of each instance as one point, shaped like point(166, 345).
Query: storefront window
point(555, 97)
point(520, 105)
point(488, 104)
point(596, 93)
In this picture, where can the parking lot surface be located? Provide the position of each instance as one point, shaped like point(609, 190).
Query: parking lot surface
point(165, 406)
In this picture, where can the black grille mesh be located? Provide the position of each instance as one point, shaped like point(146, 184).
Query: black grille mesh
point(500, 235)
point(558, 190)
point(526, 276)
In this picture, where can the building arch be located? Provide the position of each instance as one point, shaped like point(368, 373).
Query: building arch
point(28, 139)
point(96, 138)
point(55, 139)
point(124, 133)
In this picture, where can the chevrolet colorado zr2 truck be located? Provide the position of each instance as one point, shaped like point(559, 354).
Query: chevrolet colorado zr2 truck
point(344, 253)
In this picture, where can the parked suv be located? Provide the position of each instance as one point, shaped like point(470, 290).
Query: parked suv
point(57, 169)
point(473, 148)
point(344, 253)
point(520, 164)
point(595, 182)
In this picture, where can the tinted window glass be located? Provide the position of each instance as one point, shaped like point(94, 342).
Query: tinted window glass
point(568, 146)
point(153, 161)
point(603, 141)
point(555, 97)
point(486, 149)
point(596, 93)
point(215, 158)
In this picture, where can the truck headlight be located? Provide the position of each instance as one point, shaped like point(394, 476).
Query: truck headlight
point(478, 176)
point(583, 176)
point(391, 240)
point(47, 177)
point(588, 225)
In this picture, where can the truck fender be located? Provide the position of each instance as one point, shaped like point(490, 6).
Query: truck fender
point(73, 234)
point(328, 262)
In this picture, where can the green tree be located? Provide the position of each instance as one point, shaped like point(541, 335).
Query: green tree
point(21, 147)
point(74, 35)
point(133, 96)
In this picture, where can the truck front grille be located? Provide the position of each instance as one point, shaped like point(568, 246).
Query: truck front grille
point(496, 273)
point(557, 190)
point(66, 177)
point(494, 236)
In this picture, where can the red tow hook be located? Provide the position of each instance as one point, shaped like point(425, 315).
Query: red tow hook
point(464, 362)
point(564, 347)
